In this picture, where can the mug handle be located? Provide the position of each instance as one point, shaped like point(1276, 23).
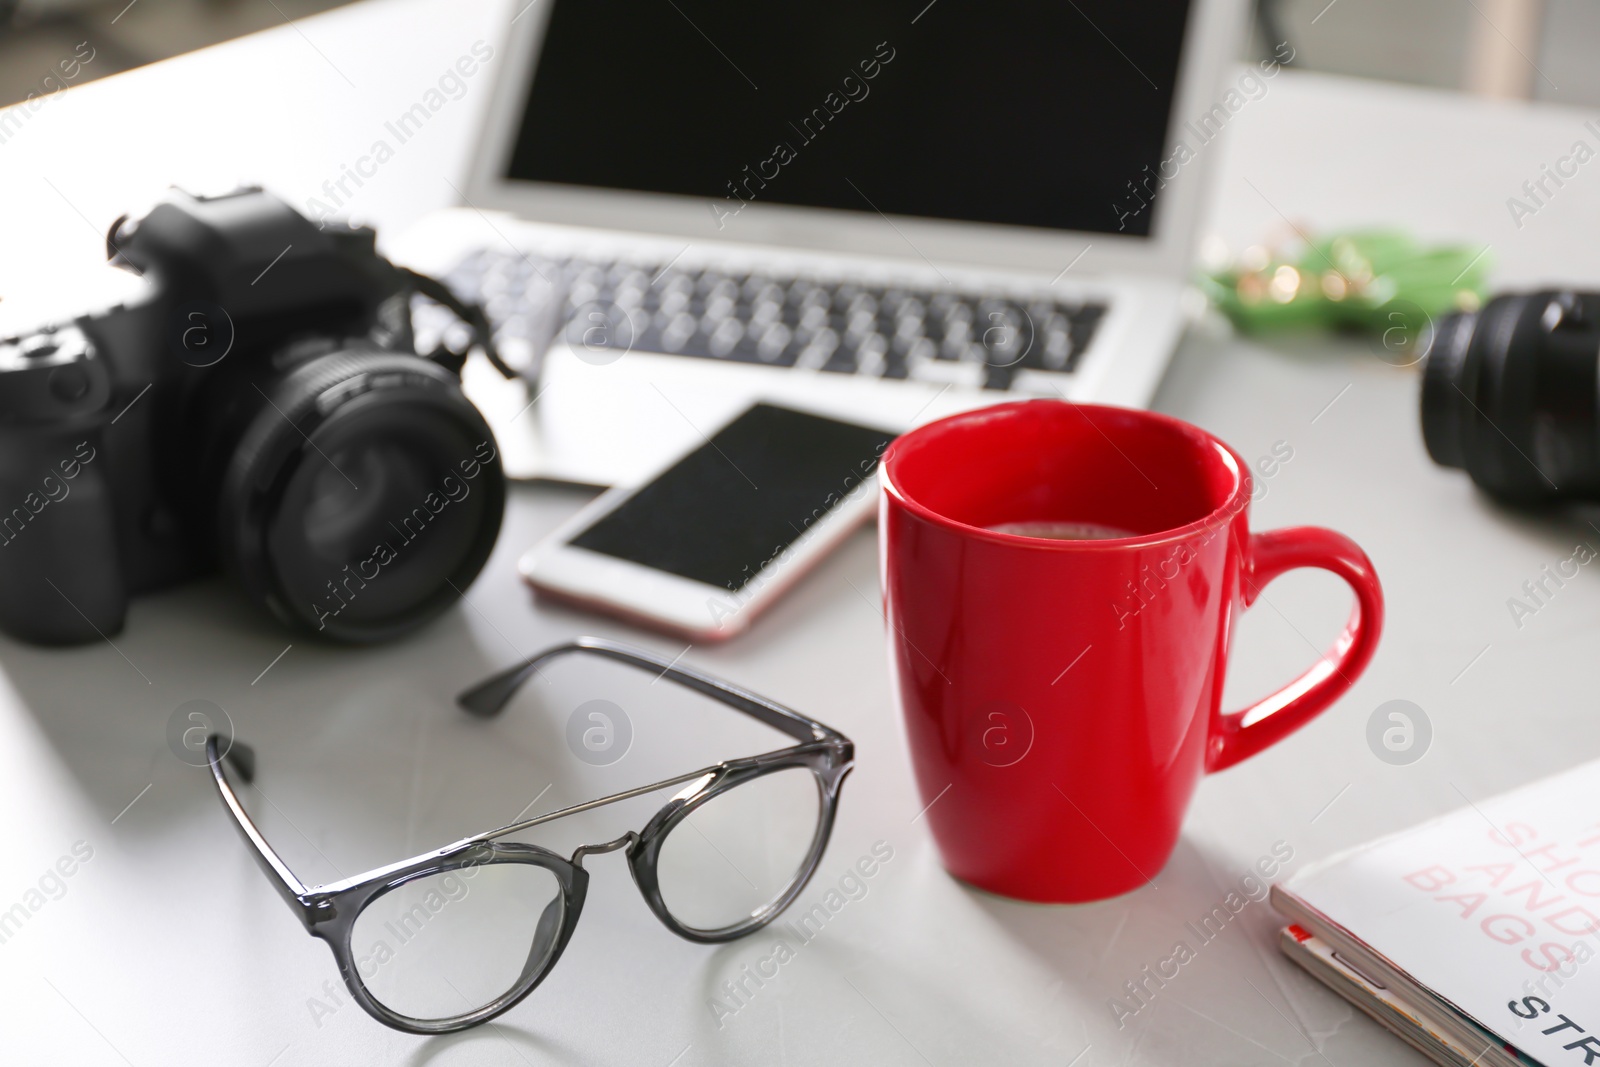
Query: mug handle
point(1281, 714)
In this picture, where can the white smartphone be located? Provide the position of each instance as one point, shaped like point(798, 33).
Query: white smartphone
point(715, 536)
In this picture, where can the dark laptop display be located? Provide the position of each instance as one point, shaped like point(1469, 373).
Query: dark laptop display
point(1023, 113)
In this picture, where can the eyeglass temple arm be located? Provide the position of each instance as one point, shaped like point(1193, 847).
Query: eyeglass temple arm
point(488, 698)
point(243, 758)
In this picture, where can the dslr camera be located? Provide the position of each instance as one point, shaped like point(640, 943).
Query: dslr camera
point(261, 409)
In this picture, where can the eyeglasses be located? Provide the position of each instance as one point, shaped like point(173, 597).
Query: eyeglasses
point(454, 937)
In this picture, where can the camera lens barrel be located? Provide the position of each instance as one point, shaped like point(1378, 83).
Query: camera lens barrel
point(365, 492)
point(1510, 395)
point(1444, 407)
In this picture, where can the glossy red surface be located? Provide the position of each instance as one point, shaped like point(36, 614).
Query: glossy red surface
point(1062, 698)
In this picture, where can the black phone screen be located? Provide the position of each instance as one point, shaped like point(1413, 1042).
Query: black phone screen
point(724, 511)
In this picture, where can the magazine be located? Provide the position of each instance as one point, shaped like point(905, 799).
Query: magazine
point(1482, 927)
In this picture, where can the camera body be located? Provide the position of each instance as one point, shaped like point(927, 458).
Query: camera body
point(262, 409)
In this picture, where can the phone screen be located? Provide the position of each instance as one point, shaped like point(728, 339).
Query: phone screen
point(724, 511)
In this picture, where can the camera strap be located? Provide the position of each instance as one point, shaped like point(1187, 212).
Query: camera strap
point(471, 314)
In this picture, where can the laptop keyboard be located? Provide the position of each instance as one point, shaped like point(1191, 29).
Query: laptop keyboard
point(839, 327)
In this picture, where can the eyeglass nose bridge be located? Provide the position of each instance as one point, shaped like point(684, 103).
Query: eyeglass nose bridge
point(629, 840)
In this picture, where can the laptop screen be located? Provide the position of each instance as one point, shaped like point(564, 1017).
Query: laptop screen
point(1017, 112)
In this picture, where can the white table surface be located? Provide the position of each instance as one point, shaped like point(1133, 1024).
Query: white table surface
point(169, 947)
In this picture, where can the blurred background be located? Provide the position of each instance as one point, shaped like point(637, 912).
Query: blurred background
point(1513, 49)
point(36, 34)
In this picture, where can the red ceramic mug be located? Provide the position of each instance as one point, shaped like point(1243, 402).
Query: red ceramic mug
point(1061, 583)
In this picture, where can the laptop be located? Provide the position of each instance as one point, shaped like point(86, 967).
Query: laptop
point(885, 211)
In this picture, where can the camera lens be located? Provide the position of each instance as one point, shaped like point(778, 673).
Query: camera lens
point(365, 494)
point(1509, 394)
point(1444, 403)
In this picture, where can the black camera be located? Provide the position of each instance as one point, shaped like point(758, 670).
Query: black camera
point(263, 409)
point(1510, 395)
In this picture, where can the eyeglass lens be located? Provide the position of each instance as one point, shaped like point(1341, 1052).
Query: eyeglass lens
point(444, 945)
point(739, 851)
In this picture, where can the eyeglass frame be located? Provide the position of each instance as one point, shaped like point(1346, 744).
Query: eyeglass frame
point(329, 912)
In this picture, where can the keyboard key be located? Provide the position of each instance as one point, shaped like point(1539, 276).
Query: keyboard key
point(907, 332)
point(1056, 349)
point(861, 323)
point(870, 353)
point(818, 350)
point(1083, 327)
point(674, 301)
point(814, 317)
point(998, 377)
point(944, 372)
point(955, 311)
point(920, 351)
point(725, 336)
point(774, 342)
point(812, 295)
point(1008, 333)
point(678, 332)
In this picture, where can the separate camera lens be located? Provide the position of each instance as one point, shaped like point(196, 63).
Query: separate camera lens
point(364, 500)
point(1509, 394)
point(1445, 402)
